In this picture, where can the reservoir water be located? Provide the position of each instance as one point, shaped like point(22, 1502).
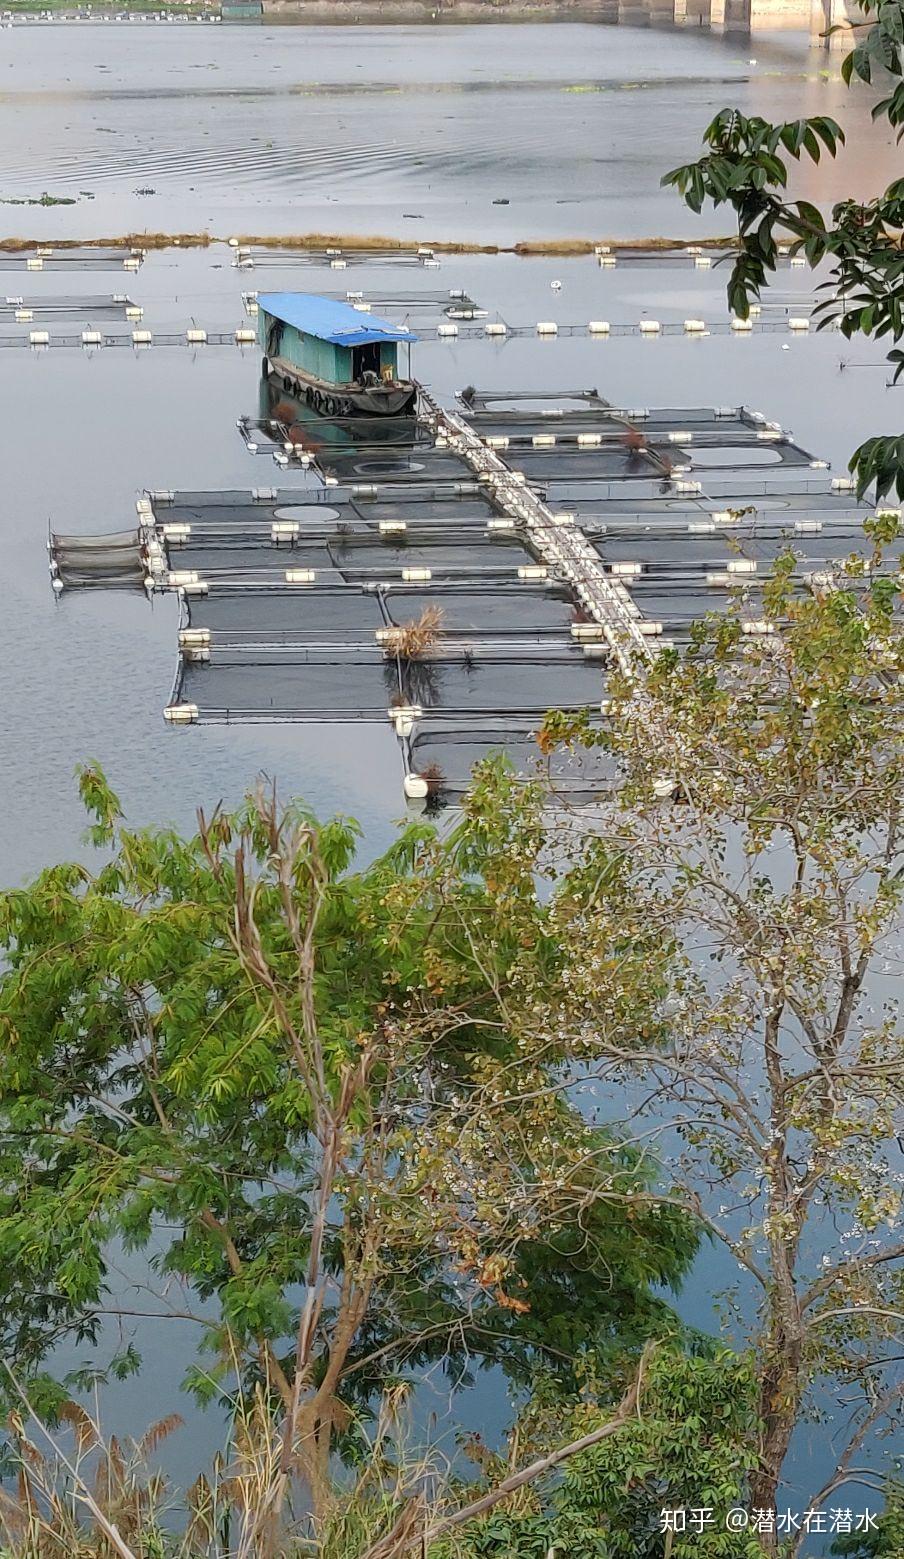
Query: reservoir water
point(415, 132)
point(489, 135)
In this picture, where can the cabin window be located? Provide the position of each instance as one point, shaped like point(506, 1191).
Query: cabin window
point(366, 359)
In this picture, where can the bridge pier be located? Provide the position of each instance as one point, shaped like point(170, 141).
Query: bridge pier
point(825, 14)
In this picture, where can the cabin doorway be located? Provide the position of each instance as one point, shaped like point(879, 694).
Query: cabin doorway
point(366, 359)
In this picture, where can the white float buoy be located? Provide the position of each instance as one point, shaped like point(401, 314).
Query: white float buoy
point(415, 787)
point(599, 327)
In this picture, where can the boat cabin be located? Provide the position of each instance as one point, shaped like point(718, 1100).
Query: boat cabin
point(333, 353)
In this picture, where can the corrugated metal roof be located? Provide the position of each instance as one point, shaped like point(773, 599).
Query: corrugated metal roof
point(330, 320)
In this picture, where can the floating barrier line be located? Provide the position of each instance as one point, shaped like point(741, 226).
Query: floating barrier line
point(241, 337)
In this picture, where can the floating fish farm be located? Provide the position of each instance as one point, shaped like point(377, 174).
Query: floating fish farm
point(459, 574)
point(76, 257)
point(22, 310)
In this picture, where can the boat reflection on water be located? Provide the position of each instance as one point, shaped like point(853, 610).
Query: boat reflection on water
point(354, 448)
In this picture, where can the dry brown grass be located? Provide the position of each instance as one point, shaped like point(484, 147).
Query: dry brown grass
point(357, 243)
point(435, 777)
point(124, 240)
point(415, 639)
point(578, 246)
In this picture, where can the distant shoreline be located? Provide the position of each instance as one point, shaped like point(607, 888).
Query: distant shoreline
point(336, 13)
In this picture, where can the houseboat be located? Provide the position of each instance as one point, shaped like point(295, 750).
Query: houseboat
point(342, 361)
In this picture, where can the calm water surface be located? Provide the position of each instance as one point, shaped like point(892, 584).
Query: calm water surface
point(405, 131)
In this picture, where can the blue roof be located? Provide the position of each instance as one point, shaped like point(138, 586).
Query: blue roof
point(330, 320)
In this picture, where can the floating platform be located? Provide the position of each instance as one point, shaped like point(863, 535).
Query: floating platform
point(22, 310)
point(438, 576)
point(85, 257)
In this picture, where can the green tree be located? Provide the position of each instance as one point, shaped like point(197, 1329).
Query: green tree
point(777, 870)
point(887, 1541)
point(690, 1447)
point(326, 1102)
point(747, 168)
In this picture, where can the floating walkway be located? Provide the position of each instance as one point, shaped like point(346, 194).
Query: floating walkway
point(555, 538)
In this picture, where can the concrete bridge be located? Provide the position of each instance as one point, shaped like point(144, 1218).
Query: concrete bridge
point(741, 16)
point(732, 16)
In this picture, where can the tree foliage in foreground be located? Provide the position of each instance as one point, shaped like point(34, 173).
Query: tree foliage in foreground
point(778, 869)
point(747, 167)
point(327, 1104)
point(359, 1118)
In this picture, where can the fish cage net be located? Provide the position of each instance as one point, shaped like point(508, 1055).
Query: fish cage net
point(78, 257)
point(108, 560)
point(114, 306)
